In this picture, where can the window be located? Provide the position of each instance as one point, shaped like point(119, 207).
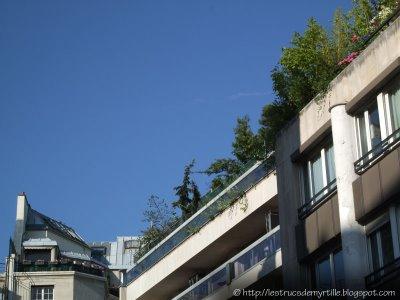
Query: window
point(319, 174)
point(37, 254)
point(369, 129)
point(329, 271)
point(393, 96)
point(379, 121)
point(381, 247)
point(42, 292)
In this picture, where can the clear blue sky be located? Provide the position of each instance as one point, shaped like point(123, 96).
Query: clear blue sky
point(102, 103)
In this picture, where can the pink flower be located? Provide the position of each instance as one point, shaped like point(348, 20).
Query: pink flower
point(349, 58)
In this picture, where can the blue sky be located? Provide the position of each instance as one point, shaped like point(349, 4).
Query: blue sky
point(102, 103)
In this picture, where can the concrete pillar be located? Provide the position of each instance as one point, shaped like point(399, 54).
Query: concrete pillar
point(53, 254)
point(10, 279)
point(352, 233)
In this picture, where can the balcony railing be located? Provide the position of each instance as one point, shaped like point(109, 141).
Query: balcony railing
point(60, 266)
point(377, 153)
point(384, 274)
point(219, 203)
point(317, 200)
point(260, 250)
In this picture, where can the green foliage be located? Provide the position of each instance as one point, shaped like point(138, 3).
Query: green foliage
point(308, 66)
point(159, 218)
point(314, 59)
point(303, 73)
point(188, 194)
point(247, 146)
point(362, 14)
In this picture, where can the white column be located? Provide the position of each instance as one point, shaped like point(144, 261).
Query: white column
point(53, 254)
point(10, 280)
point(352, 233)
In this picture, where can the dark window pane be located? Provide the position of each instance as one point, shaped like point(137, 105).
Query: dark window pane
point(324, 274)
point(373, 239)
point(387, 244)
point(339, 270)
point(374, 127)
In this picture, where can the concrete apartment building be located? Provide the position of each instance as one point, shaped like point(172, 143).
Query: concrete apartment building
point(224, 246)
point(336, 185)
point(325, 215)
point(338, 169)
point(118, 256)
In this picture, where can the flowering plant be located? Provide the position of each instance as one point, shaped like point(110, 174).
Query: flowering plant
point(349, 58)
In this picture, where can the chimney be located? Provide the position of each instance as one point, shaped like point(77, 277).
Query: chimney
point(22, 206)
point(22, 213)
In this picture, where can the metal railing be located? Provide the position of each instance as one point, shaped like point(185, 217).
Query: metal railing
point(317, 200)
point(215, 206)
point(58, 266)
point(377, 153)
point(204, 200)
point(384, 274)
point(257, 252)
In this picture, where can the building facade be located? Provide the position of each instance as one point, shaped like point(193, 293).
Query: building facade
point(335, 185)
point(49, 260)
point(232, 242)
point(118, 256)
point(339, 178)
point(325, 214)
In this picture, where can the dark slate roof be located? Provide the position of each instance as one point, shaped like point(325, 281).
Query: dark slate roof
point(36, 218)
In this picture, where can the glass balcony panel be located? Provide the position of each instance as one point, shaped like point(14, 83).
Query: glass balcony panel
point(199, 220)
point(264, 248)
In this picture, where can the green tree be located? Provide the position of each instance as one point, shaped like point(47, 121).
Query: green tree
point(247, 146)
point(159, 218)
point(189, 196)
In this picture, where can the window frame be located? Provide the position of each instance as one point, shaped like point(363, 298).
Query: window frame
point(365, 113)
point(331, 256)
point(391, 217)
point(42, 289)
point(369, 156)
point(306, 170)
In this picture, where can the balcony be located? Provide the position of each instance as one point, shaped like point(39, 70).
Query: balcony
point(203, 216)
point(379, 183)
point(377, 153)
point(317, 200)
point(385, 277)
point(237, 266)
point(230, 222)
point(85, 267)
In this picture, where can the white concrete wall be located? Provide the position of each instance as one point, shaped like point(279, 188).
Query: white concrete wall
point(68, 285)
point(257, 196)
point(89, 287)
point(63, 243)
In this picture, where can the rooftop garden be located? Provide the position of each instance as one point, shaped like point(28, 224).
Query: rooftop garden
point(303, 72)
